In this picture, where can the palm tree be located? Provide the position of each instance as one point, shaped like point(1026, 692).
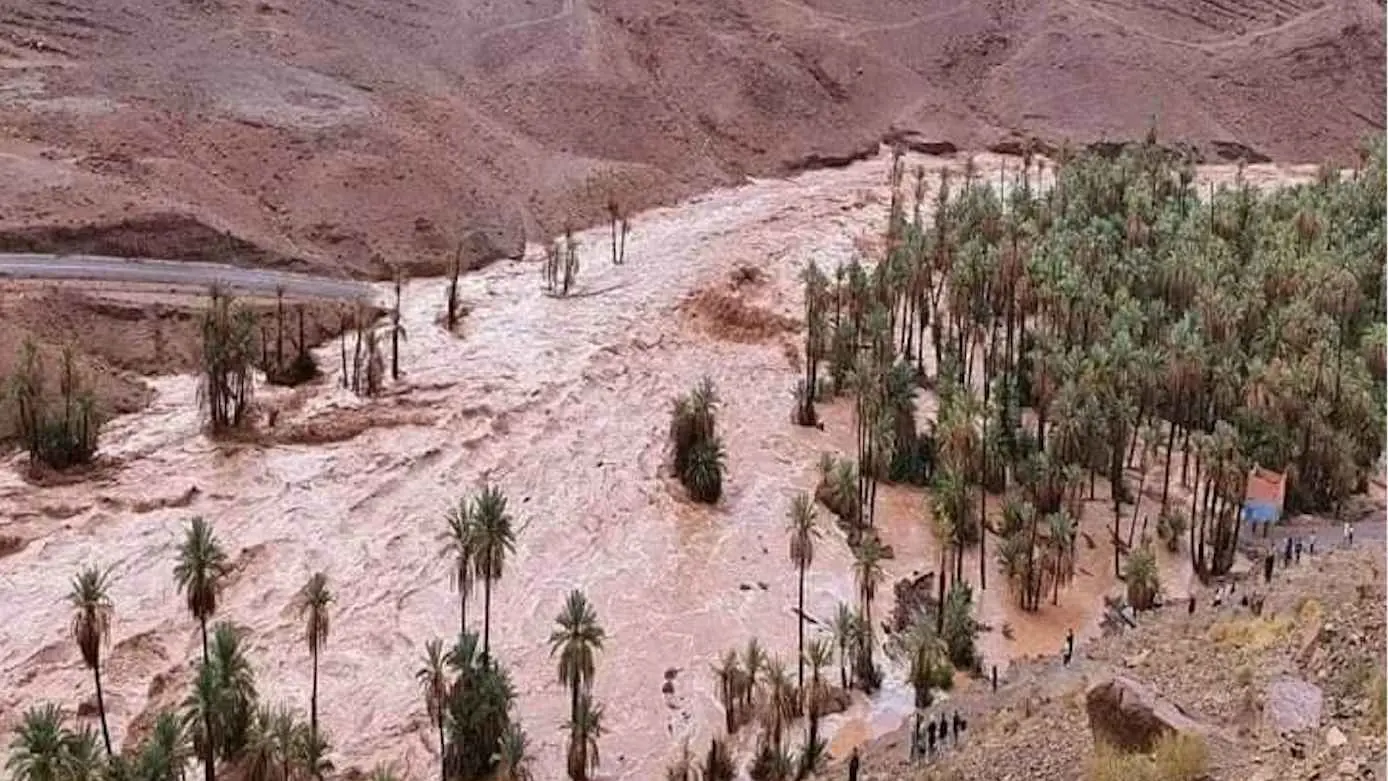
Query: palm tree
point(495, 540)
point(753, 663)
point(91, 628)
point(203, 705)
point(39, 750)
point(867, 570)
point(233, 692)
point(166, 753)
point(943, 503)
point(434, 681)
point(312, 607)
point(1143, 580)
point(202, 567)
point(1059, 543)
point(460, 546)
point(803, 533)
point(84, 761)
point(728, 671)
point(584, 731)
point(844, 629)
point(513, 755)
point(579, 635)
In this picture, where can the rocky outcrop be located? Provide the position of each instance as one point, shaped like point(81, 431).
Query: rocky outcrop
point(1130, 715)
point(1293, 705)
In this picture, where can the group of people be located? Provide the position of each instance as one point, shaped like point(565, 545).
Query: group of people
point(936, 735)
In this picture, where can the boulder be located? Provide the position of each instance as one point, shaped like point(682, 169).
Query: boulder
point(913, 595)
point(1131, 716)
point(1293, 705)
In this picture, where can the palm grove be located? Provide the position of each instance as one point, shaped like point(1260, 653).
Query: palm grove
point(1081, 324)
point(227, 725)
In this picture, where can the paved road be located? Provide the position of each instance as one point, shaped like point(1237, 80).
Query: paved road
point(197, 276)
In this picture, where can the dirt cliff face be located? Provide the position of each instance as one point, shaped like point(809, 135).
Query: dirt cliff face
point(360, 134)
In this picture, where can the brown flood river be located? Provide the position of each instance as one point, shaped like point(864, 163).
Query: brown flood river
point(562, 403)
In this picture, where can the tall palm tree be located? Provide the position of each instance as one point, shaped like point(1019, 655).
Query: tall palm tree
point(579, 635)
point(513, 755)
point(434, 681)
point(495, 540)
point(867, 570)
point(202, 567)
point(728, 671)
point(91, 628)
point(803, 533)
point(584, 731)
point(312, 606)
point(38, 751)
point(461, 540)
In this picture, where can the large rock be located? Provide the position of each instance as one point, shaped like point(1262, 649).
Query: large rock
point(1293, 705)
point(1131, 716)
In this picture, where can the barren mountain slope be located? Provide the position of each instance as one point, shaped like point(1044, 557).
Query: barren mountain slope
point(339, 131)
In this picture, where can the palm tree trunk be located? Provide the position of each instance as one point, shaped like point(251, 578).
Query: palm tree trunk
point(443, 771)
point(101, 707)
point(1137, 502)
point(486, 618)
point(800, 621)
point(462, 608)
point(313, 700)
point(573, 702)
point(940, 605)
point(202, 622)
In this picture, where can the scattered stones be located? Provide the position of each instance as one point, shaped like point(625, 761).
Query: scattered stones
point(1131, 716)
point(1293, 705)
point(1334, 738)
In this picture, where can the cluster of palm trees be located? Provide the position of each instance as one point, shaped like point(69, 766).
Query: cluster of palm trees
point(222, 720)
point(1098, 316)
point(55, 435)
point(699, 459)
point(225, 723)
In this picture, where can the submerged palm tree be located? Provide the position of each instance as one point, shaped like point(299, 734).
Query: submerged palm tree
point(434, 681)
point(495, 540)
point(579, 635)
point(312, 607)
point(803, 532)
point(202, 566)
point(461, 542)
point(867, 570)
point(91, 628)
point(845, 631)
point(513, 755)
point(585, 728)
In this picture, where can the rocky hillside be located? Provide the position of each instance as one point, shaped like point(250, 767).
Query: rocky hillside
point(361, 134)
point(1294, 693)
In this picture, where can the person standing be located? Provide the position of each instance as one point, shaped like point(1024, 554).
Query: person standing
point(1287, 554)
point(1069, 646)
point(930, 738)
point(1311, 548)
point(1298, 550)
point(1348, 535)
point(995, 678)
point(1268, 561)
point(943, 730)
point(853, 763)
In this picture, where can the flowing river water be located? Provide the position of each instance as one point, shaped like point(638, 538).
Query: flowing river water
point(562, 403)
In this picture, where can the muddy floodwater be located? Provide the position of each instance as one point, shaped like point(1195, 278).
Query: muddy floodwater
point(562, 403)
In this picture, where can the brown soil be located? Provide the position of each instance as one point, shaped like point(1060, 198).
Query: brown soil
point(360, 136)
